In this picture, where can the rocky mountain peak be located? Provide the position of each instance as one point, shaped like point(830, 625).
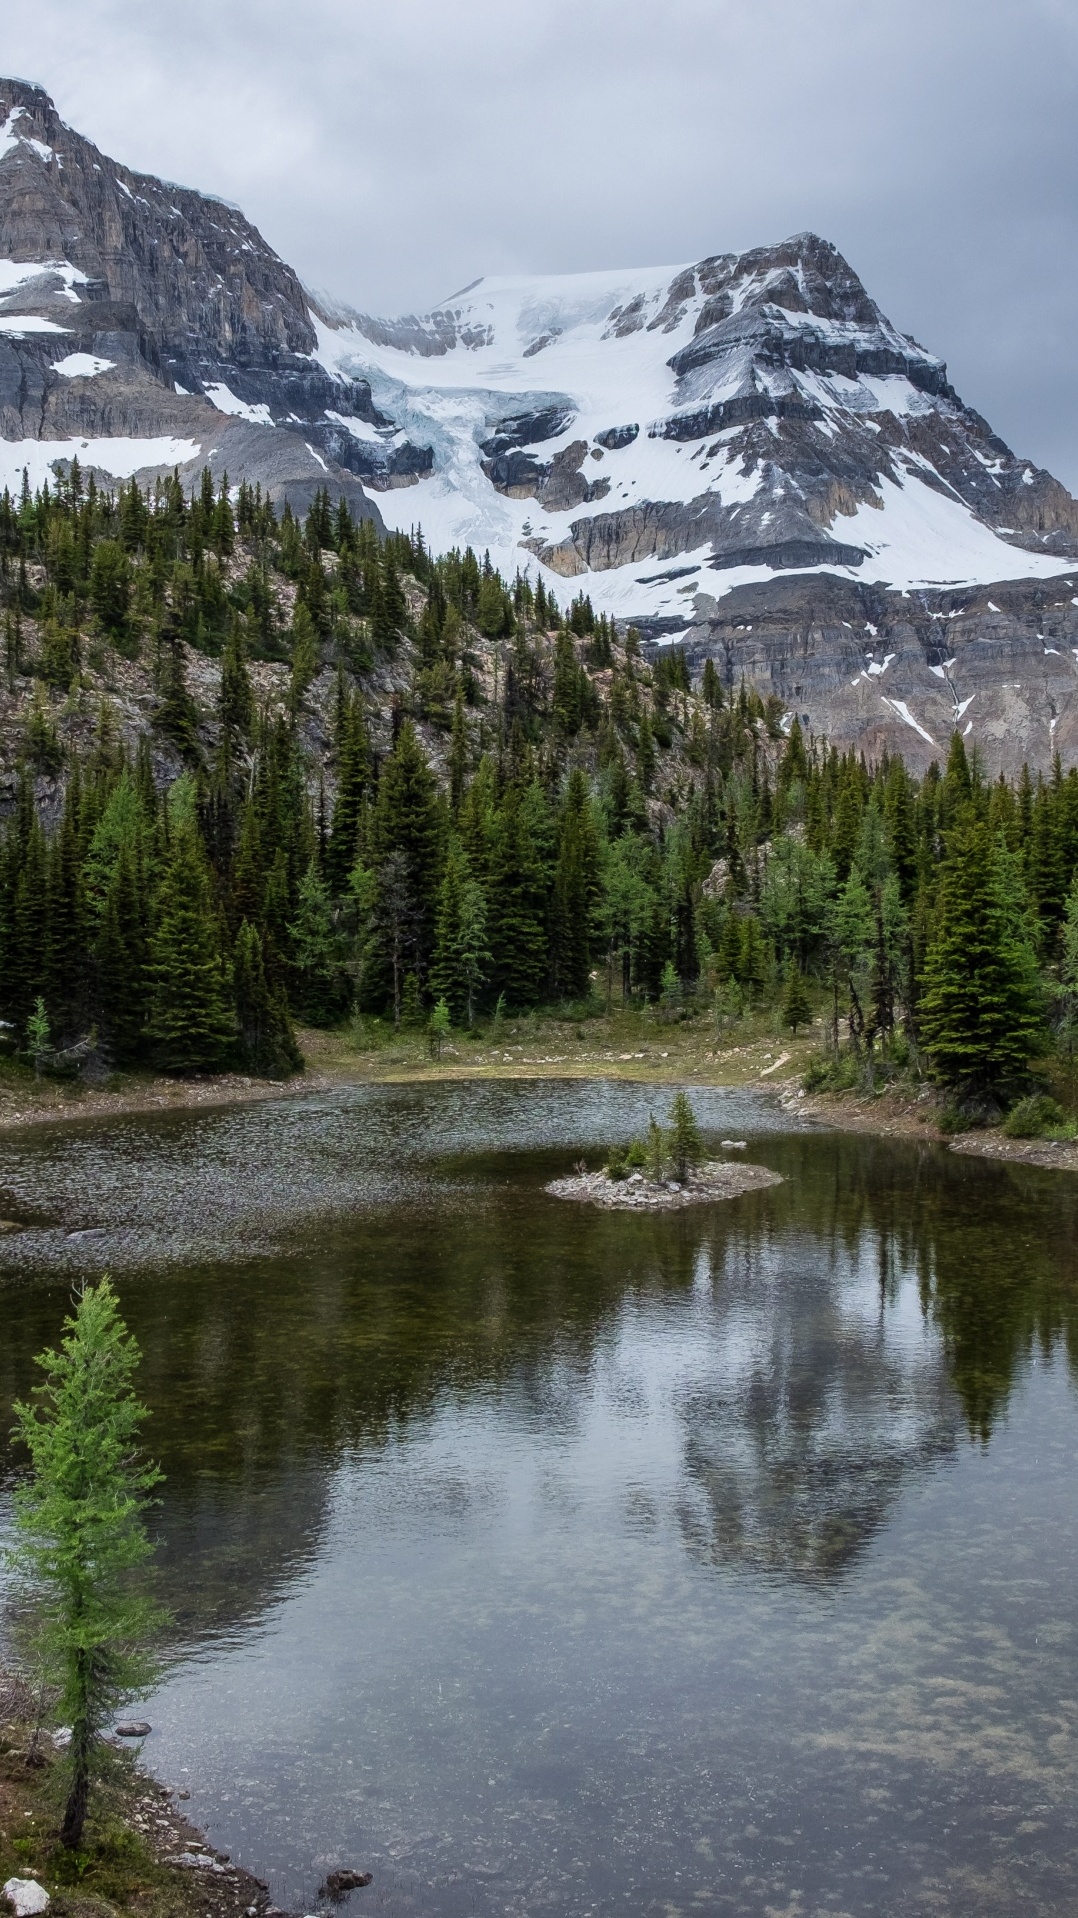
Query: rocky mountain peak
point(202, 280)
point(145, 325)
point(669, 440)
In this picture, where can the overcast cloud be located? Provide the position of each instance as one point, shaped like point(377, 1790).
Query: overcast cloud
point(393, 153)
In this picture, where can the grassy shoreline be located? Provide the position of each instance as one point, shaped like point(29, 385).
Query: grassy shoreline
point(635, 1046)
point(136, 1827)
point(627, 1045)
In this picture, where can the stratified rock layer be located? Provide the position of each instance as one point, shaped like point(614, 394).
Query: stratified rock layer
point(899, 672)
point(139, 311)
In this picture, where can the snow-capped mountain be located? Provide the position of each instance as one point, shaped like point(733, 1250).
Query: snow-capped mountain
point(747, 415)
point(747, 455)
point(743, 452)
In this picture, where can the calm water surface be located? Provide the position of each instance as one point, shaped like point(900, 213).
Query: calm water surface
point(544, 1560)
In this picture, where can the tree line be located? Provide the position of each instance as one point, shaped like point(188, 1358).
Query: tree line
point(458, 795)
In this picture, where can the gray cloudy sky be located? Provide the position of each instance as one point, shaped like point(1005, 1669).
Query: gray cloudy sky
point(394, 152)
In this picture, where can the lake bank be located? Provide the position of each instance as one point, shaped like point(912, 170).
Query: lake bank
point(624, 1048)
point(618, 1050)
point(136, 1834)
point(900, 1114)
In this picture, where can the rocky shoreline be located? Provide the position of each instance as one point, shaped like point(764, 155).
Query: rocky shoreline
point(901, 1115)
point(706, 1184)
point(142, 1853)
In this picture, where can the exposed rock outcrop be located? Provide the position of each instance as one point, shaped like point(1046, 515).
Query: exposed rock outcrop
point(132, 310)
point(899, 672)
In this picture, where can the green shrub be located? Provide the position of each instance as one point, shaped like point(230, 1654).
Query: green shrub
point(818, 1074)
point(637, 1156)
point(615, 1165)
point(830, 1073)
point(1032, 1117)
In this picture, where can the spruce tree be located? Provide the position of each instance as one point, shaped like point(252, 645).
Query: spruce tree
point(645, 755)
point(566, 697)
point(110, 587)
point(898, 812)
point(39, 1036)
point(461, 962)
point(847, 827)
point(796, 1004)
point(353, 773)
point(267, 1041)
point(439, 1028)
point(304, 650)
point(979, 1014)
point(121, 954)
point(754, 959)
point(389, 608)
point(458, 750)
point(64, 977)
point(235, 706)
point(957, 789)
point(407, 830)
point(576, 888)
point(190, 1022)
point(685, 1146)
point(322, 986)
point(728, 954)
point(24, 957)
point(176, 715)
point(518, 902)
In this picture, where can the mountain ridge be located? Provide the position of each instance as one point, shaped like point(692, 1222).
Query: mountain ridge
point(742, 442)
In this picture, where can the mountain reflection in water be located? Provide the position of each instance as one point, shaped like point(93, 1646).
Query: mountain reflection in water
point(465, 1484)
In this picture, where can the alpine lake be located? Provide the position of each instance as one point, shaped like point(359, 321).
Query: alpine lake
point(537, 1558)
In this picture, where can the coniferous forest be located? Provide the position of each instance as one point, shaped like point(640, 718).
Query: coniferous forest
point(269, 772)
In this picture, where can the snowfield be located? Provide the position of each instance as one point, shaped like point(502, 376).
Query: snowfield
point(598, 347)
point(120, 458)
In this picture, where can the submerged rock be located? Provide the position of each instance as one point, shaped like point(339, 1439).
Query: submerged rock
point(134, 1728)
point(339, 1883)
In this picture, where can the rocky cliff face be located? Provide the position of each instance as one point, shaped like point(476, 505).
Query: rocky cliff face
point(900, 671)
point(741, 447)
point(145, 326)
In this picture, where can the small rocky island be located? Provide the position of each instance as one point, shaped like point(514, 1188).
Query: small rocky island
point(721, 1179)
point(664, 1171)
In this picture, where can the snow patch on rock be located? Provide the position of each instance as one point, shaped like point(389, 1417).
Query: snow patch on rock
point(222, 397)
point(121, 458)
point(82, 366)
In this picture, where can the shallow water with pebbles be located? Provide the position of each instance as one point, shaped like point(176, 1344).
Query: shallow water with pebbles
point(537, 1557)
